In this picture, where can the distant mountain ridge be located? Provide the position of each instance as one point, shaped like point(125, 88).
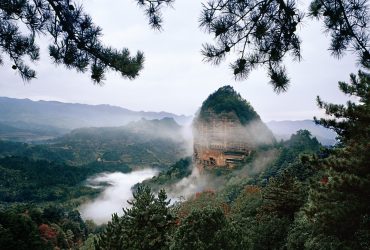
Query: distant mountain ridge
point(27, 120)
point(284, 129)
point(141, 142)
point(61, 117)
point(144, 143)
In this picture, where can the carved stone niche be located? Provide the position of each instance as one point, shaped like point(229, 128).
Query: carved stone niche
point(219, 141)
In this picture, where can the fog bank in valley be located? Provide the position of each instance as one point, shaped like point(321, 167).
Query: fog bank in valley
point(199, 181)
point(115, 195)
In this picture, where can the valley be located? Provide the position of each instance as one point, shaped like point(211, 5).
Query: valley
point(90, 182)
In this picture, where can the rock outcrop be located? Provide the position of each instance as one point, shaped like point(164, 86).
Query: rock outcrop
point(226, 130)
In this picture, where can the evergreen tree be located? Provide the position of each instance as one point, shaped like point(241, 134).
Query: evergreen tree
point(76, 39)
point(205, 228)
point(113, 236)
point(146, 225)
point(338, 209)
point(263, 33)
point(153, 10)
point(283, 196)
point(294, 155)
point(18, 231)
point(281, 199)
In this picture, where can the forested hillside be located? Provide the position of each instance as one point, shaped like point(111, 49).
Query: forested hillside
point(284, 129)
point(51, 118)
point(138, 144)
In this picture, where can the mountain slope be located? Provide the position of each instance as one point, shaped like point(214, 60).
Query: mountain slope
point(143, 143)
point(284, 129)
point(70, 115)
point(226, 100)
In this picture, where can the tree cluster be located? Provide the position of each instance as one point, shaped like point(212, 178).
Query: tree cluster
point(29, 227)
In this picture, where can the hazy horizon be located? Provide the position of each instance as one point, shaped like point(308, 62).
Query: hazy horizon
point(154, 111)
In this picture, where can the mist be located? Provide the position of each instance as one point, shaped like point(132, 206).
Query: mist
point(115, 195)
point(188, 186)
point(117, 186)
point(254, 134)
point(199, 181)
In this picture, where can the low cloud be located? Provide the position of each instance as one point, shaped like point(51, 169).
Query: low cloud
point(115, 196)
point(188, 186)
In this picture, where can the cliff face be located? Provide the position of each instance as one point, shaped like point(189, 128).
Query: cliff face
point(226, 130)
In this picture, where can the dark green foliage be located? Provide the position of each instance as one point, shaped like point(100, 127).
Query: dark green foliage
point(309, 198)
point(27, 227)
point(52, 181)
point(301, 201)
point(263, 215)
point(291, 151)
point(283, 196)
point(267, 232)
point(18, 231)
point(338, 207)
point(112, 238)
point(76, 39)
point(243, 214)
point(355, 123)
point(146, 225)
point(138, 144)
point(258, 227)
point(303, 141)
point(260, 33)
point(263, 33)
point(174, 173)
point(153, 10)
point(251, 217)
point(205, 228)
point(247, 203)
point(26, 180)
point(346, 21)
point(226, 100)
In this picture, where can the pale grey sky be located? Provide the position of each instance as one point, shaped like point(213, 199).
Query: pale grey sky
point(174, 78)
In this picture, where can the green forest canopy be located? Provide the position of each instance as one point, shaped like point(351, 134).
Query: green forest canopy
point(227, 100)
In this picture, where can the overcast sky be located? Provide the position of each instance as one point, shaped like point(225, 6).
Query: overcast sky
point(174, 78)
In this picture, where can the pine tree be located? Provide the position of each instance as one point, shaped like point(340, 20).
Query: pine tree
point(338, 209)
point(205, 228)
point(263, 33)
point(146, 225)
point(113, 236)
point(76, 39)
point(283, 196)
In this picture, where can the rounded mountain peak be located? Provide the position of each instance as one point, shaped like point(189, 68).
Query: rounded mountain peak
point(227, 101)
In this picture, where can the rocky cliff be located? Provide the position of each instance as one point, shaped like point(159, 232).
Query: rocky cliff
point(226, 130)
